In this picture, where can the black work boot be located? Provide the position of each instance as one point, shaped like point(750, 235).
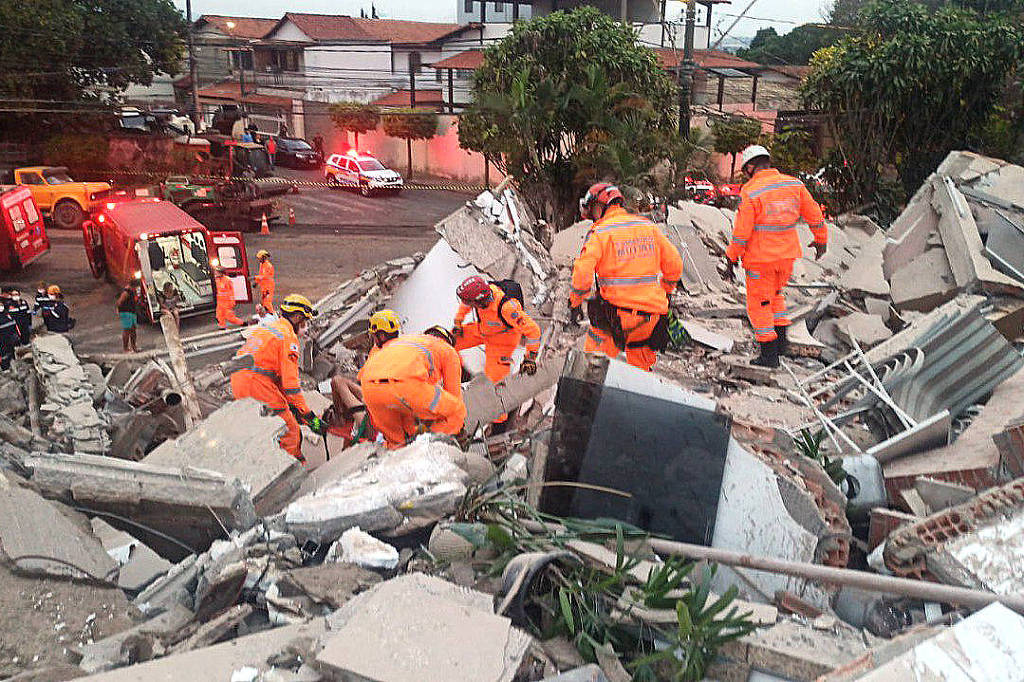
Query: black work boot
point(769, 355)
point(783, 341)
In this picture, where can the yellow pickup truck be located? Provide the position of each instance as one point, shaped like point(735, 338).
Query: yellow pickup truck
point(58, 196)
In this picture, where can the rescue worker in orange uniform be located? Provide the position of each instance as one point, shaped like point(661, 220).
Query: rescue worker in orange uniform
point(501, 324)
point(346, 394)
point(635, 267)
point(411, 385)
point(765, 237)
point(225, 299)
point(273, 378)
point(265, 281)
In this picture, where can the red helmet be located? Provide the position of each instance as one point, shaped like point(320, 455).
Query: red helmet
point(474, 291)
point(603, 193)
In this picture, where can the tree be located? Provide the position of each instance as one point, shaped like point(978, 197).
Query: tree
point(355, 117)
point(911, 86)
point(795, 47)
point(793, 153)
point(569, 99)
point(409, 125)
point(65, 53)
point(733, 134)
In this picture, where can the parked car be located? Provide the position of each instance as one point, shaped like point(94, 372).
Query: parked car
point(294, 152)
point(359, 170)
point(65, 201)
point(728, 195)
point(700, 190)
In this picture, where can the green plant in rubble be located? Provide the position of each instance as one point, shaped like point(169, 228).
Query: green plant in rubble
point(591, 606)
point(810, 447)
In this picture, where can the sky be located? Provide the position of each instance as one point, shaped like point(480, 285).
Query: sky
point(783, 15)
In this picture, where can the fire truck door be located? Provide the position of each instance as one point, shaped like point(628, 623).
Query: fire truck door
point(228, 250)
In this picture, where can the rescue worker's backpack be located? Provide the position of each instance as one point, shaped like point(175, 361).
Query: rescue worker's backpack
point(511, 289)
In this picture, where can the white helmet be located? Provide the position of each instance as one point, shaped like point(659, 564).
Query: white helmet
point(751, 153)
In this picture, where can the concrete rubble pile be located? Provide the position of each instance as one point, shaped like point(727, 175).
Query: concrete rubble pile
point(887, 545)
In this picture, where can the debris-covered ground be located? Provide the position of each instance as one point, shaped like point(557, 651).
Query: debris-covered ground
point(856, 514)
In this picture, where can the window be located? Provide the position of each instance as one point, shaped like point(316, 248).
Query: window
point(30, 211)
point(241, 60)
point(16, 219)
point(228, 256)
point(499, 7)
point(370, 165)
point(415, 62)
point(468, 7)
point(58, 177)
point(437, 75)
point(31, 179)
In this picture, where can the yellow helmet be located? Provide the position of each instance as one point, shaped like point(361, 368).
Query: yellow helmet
point(53, 290)
point(385, 321)
point(262, 253)
point(297, 303)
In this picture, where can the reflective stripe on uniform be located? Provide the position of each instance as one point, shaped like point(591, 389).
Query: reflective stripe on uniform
point(269, 373)
point(631, 223)
point(436, 400)
point(422, 349)
point(777, 185)
point(291, 391)
point(626, 281)
point(753, 275)
point(579, 291)
point(594, 336)
point(773, 228)
point(741, 242)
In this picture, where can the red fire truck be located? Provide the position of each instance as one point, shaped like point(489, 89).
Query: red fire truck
point(155, 242)
point(22, 231)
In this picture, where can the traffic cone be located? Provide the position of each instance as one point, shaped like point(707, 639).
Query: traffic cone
point(264, 227)
point(291, 217)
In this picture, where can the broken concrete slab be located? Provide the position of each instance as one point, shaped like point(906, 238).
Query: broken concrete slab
point(38, 539)
point(240, 441)
point(1007, 183)
point(135, 645)
point(713, 224)
point(706, 337)
point(867, 330)
point(485, 402)
point(865, 276)
point(878, 306)
point(220, 661)
point(963, 244)
point(587, 673)
point(933, 432)
point(139, 564)
point(924, 283)
point(988, 645)
point(700, 268)
point(362, 549)
point(939, 495)
point(189, 505)
point(401, 490)
point(908, 234)
point(68, 396)
point(212, 631)
point(794, 650)
point(440, 621)
point(329, 584)
point(567, 244)
point(801, 343)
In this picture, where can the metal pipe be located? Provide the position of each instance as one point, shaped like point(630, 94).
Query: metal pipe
point(917, 589)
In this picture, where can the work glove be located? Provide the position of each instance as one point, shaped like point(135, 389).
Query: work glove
point(819, 250)
point(529, 365)
point(315, 423)
point(575, 315)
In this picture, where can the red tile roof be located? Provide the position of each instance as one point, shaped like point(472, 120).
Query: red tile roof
point(671, 58)
point(252, 28)
point(401, 98)
point(341, 27)
point(231, 92)
point(470, 59)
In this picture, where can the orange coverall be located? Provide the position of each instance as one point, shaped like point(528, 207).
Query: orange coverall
point(636, 268)
point(225, 302)
point(265, 280)
point(274, 377)
point(499, 339)
point(411, 381)
point(765, 237)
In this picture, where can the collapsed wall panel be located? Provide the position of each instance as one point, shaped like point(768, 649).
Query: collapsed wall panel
point(68, 396)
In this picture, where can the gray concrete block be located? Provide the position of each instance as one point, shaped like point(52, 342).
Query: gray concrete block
point(39, 539)
point(139, 564)
point(238, 441)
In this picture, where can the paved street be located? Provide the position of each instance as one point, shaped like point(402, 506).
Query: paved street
point(337, 234)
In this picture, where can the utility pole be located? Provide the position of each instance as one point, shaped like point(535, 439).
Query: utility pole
point(192, 66)
point(624, 11)
point(686, 71)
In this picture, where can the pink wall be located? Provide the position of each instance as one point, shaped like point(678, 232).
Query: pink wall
point(439, 157)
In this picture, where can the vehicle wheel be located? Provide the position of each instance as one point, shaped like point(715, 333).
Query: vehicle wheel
point(364, 189)
point(67, 215)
